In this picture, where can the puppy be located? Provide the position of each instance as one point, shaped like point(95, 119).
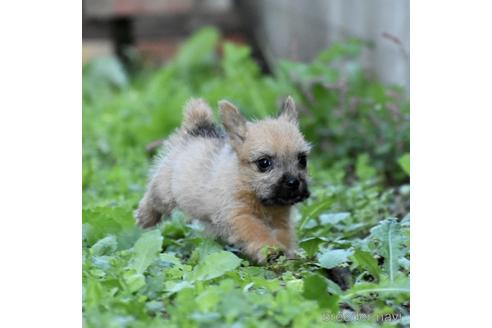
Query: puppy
point(241, 183)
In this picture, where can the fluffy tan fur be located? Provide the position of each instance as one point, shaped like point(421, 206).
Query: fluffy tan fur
point(215, 178)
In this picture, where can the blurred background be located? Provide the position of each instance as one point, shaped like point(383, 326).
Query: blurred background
point(296, 30)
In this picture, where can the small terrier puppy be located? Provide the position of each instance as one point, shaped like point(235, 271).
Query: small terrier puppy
point(240, 184)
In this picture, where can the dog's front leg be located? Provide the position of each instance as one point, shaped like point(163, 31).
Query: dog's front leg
point(254, 235)
point(285, 233)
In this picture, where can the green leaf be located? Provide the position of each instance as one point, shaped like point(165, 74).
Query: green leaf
point(175, 286)
point(105, 246)
point(198, 49)
point(316, 288)
point(331, 258)
point(171, 258)
point(363, 169)
point(107, 70)
point(214, 265)
point(404, 162)
point(94, 293)
point(311, 245)
point(146, 250)
point(204, 248)
point(133, 280)
point(367, 261)
point(333, 288)
point(401, 286)
point(101, 221)
point(348, 48)
point(315, 209)
point(388, 236)
point(333, 218)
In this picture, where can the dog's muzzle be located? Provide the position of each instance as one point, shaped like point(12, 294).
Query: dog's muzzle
point(289, 190)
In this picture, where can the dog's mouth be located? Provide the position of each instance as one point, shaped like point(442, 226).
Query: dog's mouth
point(284, 200)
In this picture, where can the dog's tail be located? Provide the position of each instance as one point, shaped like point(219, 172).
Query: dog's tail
point(198, 117)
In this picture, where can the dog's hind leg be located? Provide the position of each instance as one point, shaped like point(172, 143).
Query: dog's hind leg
point(157, 201)
point(147, 214)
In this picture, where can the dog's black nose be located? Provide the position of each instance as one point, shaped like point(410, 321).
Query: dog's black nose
point(291, 182)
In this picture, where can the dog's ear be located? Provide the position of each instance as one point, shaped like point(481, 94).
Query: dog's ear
point(288, 110)
point(234, 123)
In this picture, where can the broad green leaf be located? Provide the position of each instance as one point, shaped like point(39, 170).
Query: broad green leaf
point(94, 293)
point(105, 246)
point(311, 245)
point(205, 247)
point(214, 265)
point(175, 286)
point(155, 307)
point(404, 263)
point(101, 221)
point(133, 280)
point(315, 209)
point(349, 48)
point(296, 284)
point(170, 258)
point(363, 169)
point(316, 288)
point(401, 286)
point(107, 70)
point(367, 261)
point(404, 162)
point(198, 49)
point(146, 250)
point(389, 238)
point(333, 288)
point(333, 218)
point(330, 258)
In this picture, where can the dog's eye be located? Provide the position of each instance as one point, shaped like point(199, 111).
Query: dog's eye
point(302, 160)
point(264, 164)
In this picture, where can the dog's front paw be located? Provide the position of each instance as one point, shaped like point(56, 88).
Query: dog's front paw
point(267, 253)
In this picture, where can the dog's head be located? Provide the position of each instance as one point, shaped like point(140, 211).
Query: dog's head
point(272, 154)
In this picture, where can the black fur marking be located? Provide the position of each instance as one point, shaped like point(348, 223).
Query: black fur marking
point(286, 197)
point(206, 130)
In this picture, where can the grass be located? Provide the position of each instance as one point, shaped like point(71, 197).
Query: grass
point(353, 232)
